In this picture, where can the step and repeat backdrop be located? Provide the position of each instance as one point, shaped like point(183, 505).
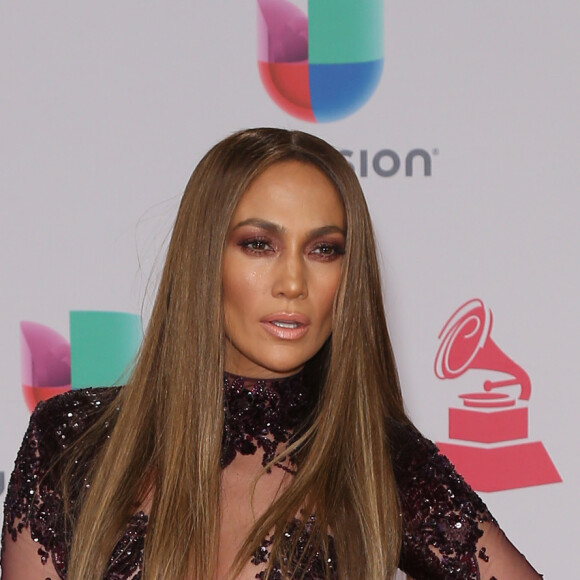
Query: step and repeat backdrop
point(461, 121)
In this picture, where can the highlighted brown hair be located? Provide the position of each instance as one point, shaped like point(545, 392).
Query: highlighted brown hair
point(166, 439)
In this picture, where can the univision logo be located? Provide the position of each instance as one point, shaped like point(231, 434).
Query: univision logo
point(102, 348)
point(325, 65)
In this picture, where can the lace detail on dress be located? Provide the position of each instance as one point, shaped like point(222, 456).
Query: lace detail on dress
point(307, 560)
point(33, 500)
point(262, 414)
point(127, 558)
point(441, 513)
point(442, 517)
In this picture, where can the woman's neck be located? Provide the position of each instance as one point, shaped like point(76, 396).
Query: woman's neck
point(262, 414)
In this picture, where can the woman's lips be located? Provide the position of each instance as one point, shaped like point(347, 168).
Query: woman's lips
point(286, 325)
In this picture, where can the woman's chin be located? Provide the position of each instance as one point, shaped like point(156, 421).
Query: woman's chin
point(265, 370)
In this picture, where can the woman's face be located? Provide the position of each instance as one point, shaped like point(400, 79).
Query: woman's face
point(281, 270)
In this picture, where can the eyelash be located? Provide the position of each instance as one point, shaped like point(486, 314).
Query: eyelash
point(249, 245)
point(336, 249)
point(320, 249)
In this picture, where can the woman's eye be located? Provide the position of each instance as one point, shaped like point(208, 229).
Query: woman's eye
point(255, 246)
point(328, 251)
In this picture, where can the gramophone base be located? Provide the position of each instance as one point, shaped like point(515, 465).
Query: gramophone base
point(488, 425)
point(499, 468)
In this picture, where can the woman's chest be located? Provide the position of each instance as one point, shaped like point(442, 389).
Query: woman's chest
point(126, 562)
point(244, 498)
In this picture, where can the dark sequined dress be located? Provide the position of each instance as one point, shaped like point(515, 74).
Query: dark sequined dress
point(448, 531)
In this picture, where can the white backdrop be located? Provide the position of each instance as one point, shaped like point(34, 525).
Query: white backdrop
point(105, 108)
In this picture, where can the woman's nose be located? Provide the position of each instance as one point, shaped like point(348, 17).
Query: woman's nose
point(290, 278)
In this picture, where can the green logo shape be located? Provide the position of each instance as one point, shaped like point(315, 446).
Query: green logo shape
point(103, 347)
point(345, 31)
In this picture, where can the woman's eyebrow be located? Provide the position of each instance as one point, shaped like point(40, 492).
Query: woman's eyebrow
point(325, 230)
point(262, 224)
point(278, 229)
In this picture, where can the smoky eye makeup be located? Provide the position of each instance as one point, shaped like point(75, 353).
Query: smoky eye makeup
point(260, 238)
point(256, 245)
point(327, 250)
point(253, 240)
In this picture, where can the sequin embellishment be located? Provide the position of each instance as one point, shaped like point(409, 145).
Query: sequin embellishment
point(440, 513)
point(262, 414)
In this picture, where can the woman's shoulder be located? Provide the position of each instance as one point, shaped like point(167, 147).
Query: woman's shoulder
point(80, 401)
point(54, 426)
point(60, 420)
point(425, 477)
point(441, 513)
point(418, 463)
point(33, 503)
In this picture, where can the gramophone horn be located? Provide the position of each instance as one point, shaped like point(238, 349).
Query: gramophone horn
point(466, 344)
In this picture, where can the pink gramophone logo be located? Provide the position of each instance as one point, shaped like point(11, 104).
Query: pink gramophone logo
point(489, 431)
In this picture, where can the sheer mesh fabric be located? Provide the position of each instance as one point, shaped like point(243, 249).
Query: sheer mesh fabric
point(448, 531)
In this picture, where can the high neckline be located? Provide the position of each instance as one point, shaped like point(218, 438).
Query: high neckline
point(262, 413)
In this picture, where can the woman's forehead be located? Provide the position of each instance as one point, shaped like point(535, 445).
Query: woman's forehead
point(291, 190)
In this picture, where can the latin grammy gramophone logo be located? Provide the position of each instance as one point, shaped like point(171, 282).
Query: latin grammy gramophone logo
point(488, 430)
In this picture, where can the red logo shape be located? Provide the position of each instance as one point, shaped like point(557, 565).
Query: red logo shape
point(496, 421)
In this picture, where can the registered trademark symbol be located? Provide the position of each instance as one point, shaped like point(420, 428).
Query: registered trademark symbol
point(435, 151)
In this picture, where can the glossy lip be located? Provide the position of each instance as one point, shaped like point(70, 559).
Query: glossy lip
point(286, 333)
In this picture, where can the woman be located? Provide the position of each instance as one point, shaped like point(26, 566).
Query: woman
point(308, 469)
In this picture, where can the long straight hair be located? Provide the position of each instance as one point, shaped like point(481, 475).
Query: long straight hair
point(165, 442)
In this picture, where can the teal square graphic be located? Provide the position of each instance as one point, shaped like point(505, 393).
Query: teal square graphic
point(103, 347)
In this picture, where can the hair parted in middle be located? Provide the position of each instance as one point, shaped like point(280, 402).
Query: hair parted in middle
point(167, 434)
